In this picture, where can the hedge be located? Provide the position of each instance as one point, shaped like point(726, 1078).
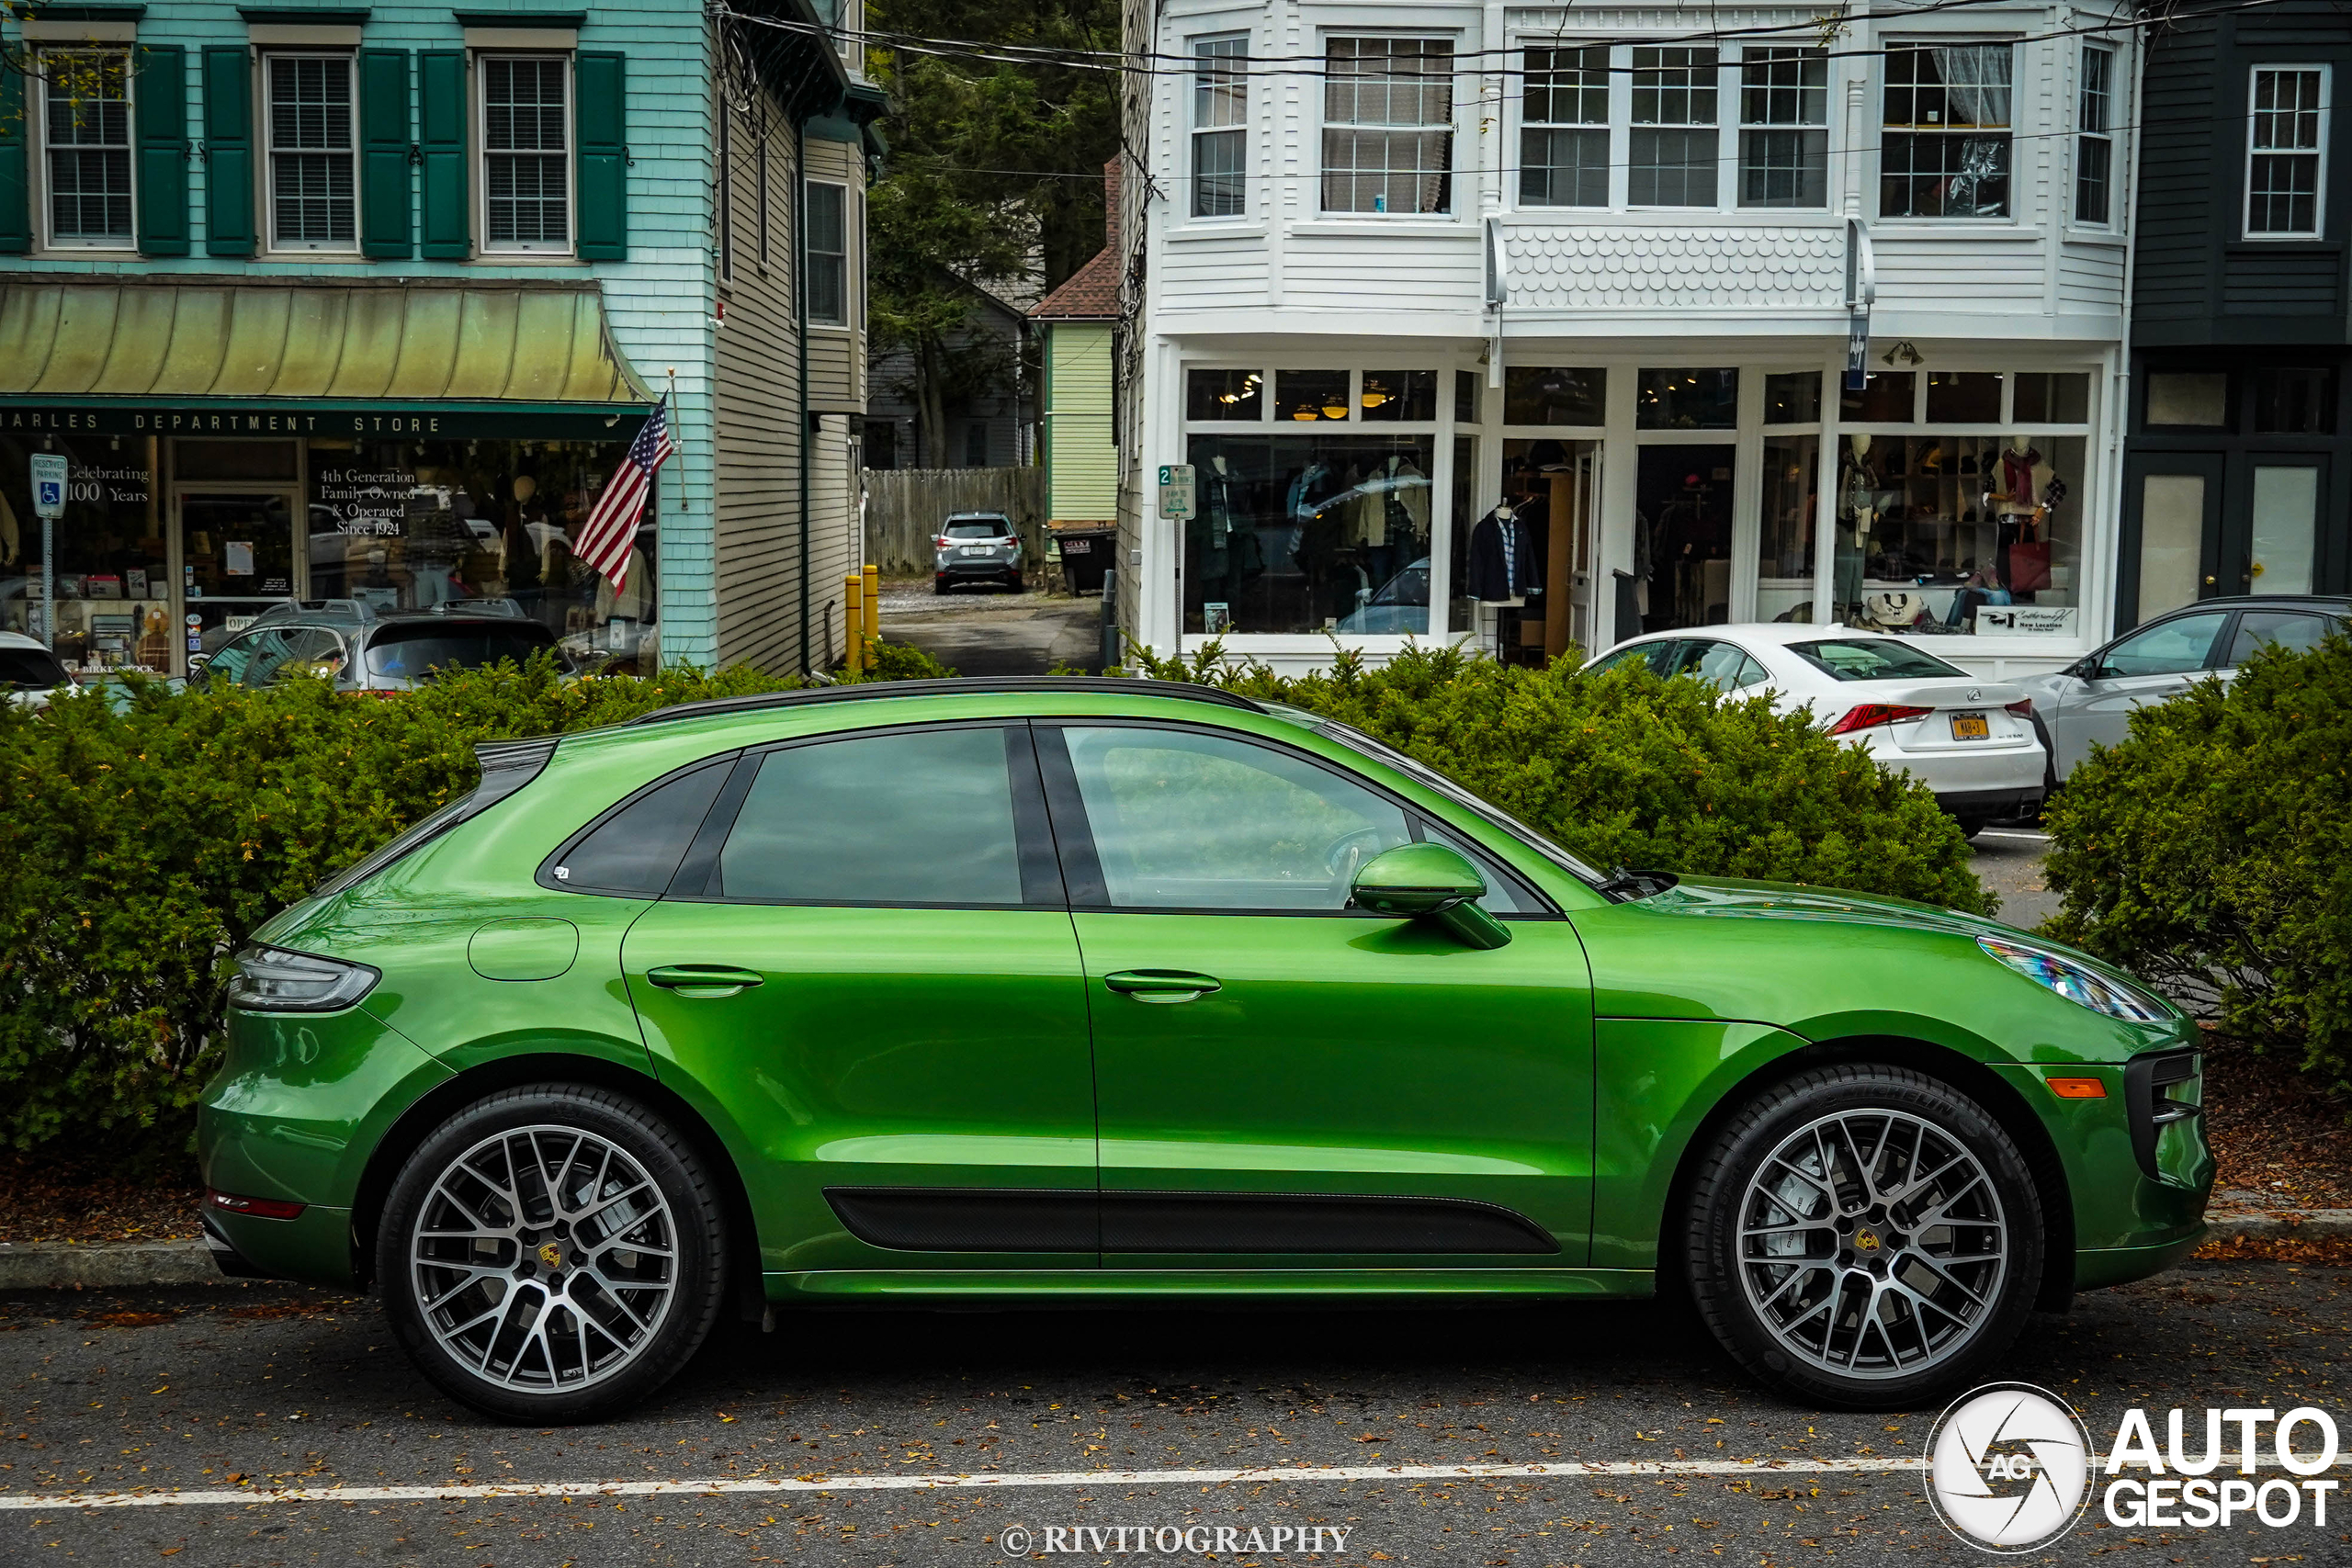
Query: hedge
point(2211, 852)
point(139, 848)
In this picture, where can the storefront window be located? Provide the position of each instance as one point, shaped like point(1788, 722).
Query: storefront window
point(1224, 394)
point(1551, 394)
point(1403, 396)
point(1792, 398)
point(2294, 399)
point(1963, 397)
point(1959, 534)
point(1886, 398)
point(1461, 610)
point(1687, 399)
point(1308, 395)
point(2052, 397)
point(1309, 533)
point(113, 574)
point(1790, 500)
point(406, 526)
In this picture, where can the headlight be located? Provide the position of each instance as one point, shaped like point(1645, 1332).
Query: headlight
point(2077, 982)
point(270, 979)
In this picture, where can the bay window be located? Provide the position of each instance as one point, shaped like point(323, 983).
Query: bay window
point(1673, 148)
point(1220, 116)
point(1946, 152)
point(2094, 136)
point(1784, 127)
point(1388, 125)
point(1564, 128)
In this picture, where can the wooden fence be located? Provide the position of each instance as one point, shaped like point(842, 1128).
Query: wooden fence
point(904, 508)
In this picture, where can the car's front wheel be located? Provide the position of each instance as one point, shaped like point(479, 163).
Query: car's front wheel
point(1864, 1235)
point(551, 1252)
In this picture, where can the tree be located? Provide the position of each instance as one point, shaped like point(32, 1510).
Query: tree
point(994, 175)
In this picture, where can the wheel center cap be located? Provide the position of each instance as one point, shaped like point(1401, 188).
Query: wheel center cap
point(1866, 1241)
point(552, 1255)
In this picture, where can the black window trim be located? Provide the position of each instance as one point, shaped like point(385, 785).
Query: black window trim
point(1041, 875)
point(1082, 867)
point(545, 877)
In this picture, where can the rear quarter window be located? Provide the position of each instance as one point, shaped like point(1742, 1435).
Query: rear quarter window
point(635, 849)
point(414, 652)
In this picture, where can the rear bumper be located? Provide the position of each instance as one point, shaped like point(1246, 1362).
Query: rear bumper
point(1989, 802)
point(976, 569)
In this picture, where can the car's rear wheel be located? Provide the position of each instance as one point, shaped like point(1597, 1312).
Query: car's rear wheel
point(551, 1252)
point(1864, 1235)
point(1012, 581)
point(939, 583)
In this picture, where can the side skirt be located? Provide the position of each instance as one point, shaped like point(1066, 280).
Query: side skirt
point(1269, 1287)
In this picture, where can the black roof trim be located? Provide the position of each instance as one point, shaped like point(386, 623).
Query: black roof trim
point(962, 686)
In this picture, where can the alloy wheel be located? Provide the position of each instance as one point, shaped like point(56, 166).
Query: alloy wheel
point(1872, 1244)
point(544, 1259)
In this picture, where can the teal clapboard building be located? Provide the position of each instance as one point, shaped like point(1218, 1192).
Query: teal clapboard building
point(366, 303)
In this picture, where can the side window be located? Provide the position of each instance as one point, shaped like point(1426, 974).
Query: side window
point(1752, 673)
point(1184, 820)
point(1719, 664)
point(2169, 648)
point(1658, 656)
point(2295, 633)
point(264, 656)
point(908, 819)
point(636, 848)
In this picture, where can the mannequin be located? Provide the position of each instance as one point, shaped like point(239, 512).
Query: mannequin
point(1503, 556)
point(2029, 488)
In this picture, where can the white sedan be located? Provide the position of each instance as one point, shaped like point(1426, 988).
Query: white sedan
point(1969, 740)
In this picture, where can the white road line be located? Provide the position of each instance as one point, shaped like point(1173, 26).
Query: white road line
point(2005, 833)
point(731, 1484)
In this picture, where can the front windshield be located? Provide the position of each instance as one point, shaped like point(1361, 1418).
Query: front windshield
point(1357, 740)
point(1874, 659)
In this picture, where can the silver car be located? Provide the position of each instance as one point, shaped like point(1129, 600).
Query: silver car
point(976, 546)
point(2090, 701)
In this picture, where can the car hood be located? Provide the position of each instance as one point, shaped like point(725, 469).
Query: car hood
point(1722, 899)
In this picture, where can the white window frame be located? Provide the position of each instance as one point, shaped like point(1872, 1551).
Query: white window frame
point(2319, 194)
point(45, 188)
point(1453, 210)
point(270, 151)
point(484, 154)
point(849, 299)
point(2011, 133)
point(1195, 90)
point(1772, 55)
point(1606, 124)
point(2103, 134)
point(1633, 128)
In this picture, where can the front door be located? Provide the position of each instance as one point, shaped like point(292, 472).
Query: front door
point(2270, 544)
point(2174, 527)
point(1281, 1082)
point(237, 558)
point(866, 966)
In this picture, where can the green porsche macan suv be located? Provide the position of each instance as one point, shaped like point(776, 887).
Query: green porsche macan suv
point(1023, 991)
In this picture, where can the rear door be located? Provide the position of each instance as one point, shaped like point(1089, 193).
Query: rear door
point(2298, 631)
point(865, 967)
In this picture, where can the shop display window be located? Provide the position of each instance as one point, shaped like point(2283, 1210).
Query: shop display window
point(1789, 501)
point(1940, 534)
point(1687, 399)
point(113, 574)
point(1224, 394)
point(1792, 398)
point(406, 526)
point(1401, 396)
point(1305, 396)
point(1964, 397)
point(2052, 397)
point(1554, 395)
point(1309, 534)
point(1884, 398)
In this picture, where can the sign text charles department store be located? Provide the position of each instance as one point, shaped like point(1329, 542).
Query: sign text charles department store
point(280, 418)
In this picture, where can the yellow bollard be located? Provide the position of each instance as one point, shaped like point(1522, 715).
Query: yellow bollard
point(872, 606)
point(854, 621)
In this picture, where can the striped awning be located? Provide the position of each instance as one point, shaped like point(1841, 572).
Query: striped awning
point(77, 343)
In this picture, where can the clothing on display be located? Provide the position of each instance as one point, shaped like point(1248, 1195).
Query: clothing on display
point(1505, 560)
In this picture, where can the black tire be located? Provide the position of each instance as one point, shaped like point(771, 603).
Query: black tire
point(1725, 1272)
point(650, 1319)
point(1012, 582)
point(1972, 826)
point(939, 585)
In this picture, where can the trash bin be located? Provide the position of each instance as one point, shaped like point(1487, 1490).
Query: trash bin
point(1086, 554)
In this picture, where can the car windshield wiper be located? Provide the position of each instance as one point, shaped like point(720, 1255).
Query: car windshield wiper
point(1630, 884)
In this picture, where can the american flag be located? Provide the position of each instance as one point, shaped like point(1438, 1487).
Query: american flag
point(611, 529)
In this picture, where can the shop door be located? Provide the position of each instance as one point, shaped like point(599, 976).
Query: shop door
point(237, 558)
point(1577, 502)
point(2270, 539)
point(1280, 1083)
point(2174, 499)
point(1682, 536)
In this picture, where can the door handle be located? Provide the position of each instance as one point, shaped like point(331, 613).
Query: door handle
point(1162, 985)
point(702, 980)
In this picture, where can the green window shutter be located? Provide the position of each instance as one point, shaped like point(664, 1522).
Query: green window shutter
point(228, 151)
point(16, 203)
point(383, 153)
point(441, 100)
point(601, 178)
point(160, 98)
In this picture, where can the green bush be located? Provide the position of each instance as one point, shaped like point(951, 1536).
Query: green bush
point(2211, 851)
point(1626, 770)
point(140, 845)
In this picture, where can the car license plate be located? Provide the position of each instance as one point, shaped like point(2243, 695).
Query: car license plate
point(1970, 727)
point(976, 549)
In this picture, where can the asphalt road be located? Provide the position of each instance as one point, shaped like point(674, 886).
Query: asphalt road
point(979, 630)
point(243, 1390)
point(2009, 861)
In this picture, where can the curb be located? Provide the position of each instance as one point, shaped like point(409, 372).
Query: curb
point(107, 1264)
point(2282, 1225)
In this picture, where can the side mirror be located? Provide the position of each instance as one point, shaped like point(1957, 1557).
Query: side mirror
point(1433, 883)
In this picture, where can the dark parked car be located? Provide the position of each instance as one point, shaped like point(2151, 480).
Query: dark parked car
point(977, 546)
point(2091, 700)
point(364, 650)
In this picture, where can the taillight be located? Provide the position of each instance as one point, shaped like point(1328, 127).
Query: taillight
point(1869, 715)
point(941, 541)
point(2022, 707)
point(259, 1208)
point(270, 979)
